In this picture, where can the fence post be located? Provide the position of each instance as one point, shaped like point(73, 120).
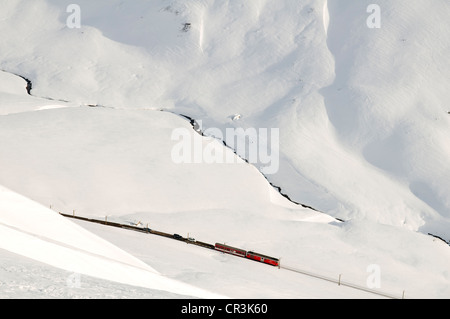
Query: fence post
point(339, 283)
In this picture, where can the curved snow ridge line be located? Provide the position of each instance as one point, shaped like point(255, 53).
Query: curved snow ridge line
point(65, 245)
point(194, 125)
point(32, 218)
point(83, 263)
point(197, 129)
point(29, 86)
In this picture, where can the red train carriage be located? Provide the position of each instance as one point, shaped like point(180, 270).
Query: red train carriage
point(247, 254)
point(262, 258)
point(230, 250)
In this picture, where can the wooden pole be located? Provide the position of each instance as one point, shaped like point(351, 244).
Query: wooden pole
point(339, 283)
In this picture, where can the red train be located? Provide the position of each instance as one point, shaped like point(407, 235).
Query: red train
point(247, 254)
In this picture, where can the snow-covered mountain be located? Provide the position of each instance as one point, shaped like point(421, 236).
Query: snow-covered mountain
point(357, 92)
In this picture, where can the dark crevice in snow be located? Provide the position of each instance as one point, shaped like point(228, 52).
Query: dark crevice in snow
point(196, 127)
point(29, 86)
point(278, 188)
point(440, 238)
point(51, 99)
point(193, 122)
point(198, 130)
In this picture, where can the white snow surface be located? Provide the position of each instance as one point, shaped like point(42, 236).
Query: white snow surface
point(364, 139)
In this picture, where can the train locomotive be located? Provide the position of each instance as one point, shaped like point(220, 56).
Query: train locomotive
point(247, 254)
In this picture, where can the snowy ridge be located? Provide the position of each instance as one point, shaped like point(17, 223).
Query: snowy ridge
point(70, 247)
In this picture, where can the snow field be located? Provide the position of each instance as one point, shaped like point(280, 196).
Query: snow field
point(363, 137)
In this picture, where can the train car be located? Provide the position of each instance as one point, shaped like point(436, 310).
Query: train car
point(230, 250)
point(178, 237)
point(262, 258)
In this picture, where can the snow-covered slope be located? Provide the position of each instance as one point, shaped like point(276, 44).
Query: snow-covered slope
point(361, 112)
point(388, 104)
point(351, 111)
point(31, 230)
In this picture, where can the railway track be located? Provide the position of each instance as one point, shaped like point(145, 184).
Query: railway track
point(340, 282)
point(212, 247)
point(141, 230)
